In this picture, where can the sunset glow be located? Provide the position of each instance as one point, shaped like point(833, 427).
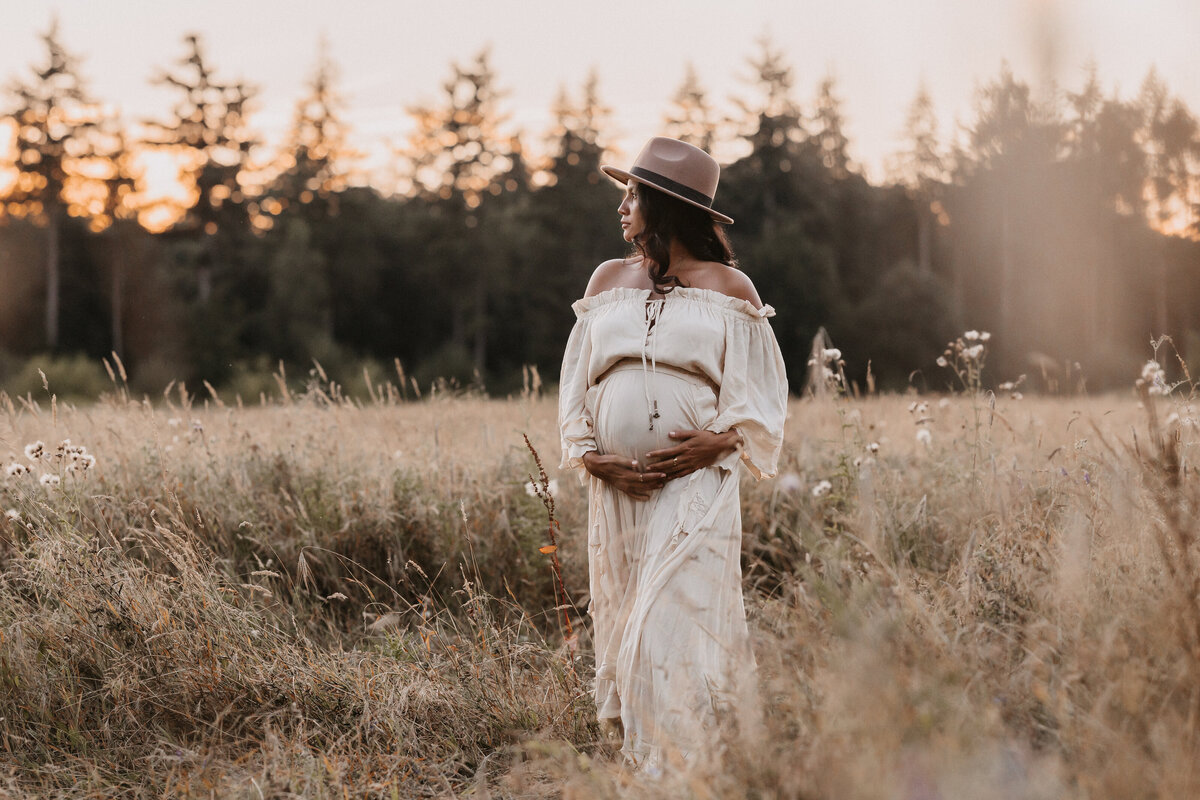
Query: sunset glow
point(877, 52)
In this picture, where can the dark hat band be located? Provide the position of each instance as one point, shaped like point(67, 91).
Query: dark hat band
point(663, 182)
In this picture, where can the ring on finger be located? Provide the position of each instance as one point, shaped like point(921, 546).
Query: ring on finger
point(675, 461)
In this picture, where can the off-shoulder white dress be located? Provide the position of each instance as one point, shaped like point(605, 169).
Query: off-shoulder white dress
point(669, 625)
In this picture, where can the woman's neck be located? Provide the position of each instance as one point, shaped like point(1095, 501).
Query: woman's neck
point(681, 258)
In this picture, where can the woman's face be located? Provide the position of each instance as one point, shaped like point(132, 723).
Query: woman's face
point(632, 222)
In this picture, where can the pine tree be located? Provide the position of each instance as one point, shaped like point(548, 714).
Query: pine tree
point(763, 183)
point(828, 136)
point(304, 200)
point(775, 121)
point(921, 169)
point(1083, 129)
point(1011, 130)
point(575, 140)
point(457, 149)
point(116, 221)
point(1170, 137)
point(690, 117)
point(572, 227)
point(458, 155)
point(1171, 140)
point(1013, 144)
point(209, 127)
point(317, 153)
point(54, 118)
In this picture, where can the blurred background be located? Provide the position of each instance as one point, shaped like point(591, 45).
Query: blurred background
point(410, 192)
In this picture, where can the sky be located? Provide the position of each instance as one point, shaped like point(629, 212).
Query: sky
point(394, 54)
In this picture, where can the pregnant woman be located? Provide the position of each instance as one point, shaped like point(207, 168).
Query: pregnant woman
point(671, 376)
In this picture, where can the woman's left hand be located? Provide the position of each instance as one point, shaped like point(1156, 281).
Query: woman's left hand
point(696, 450)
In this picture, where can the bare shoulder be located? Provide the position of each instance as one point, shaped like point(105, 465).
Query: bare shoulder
point(736, 283)
point(611, 274)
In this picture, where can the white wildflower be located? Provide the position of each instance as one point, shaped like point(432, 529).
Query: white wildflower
point(973, 352)
point(942, 362)
point(197, 426)
point(790, 482)
point(35, 451)
point(971, 336)
point(1007, 386)
point(831, 354)
point(174, 422)
point(912, 407)
point(1017, 396)
point(873, 448)
point(49, 479)
point(80, 460)
point(1156, 376)
point(984, 336)
point(13, 514)
point(16, 469)
point(822, 488)
point(336, 596)
point(925, 437)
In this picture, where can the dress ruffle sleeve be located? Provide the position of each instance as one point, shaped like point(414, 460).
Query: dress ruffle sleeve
point(574, 418)
point(754, 391)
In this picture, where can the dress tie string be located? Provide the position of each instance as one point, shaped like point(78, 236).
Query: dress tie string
point(653, 310)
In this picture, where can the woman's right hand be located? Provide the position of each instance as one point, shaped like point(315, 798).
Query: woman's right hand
point(624, 474)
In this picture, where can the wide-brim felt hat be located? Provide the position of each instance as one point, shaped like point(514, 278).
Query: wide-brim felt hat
point(676, 168)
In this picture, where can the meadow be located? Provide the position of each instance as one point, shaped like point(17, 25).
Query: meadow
point(950, 596)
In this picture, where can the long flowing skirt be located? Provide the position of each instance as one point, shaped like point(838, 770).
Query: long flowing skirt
point(672, 648)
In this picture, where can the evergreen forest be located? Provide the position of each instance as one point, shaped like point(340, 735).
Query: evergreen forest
point(1065, 223)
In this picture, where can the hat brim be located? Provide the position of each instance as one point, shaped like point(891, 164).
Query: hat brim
point(622, 177)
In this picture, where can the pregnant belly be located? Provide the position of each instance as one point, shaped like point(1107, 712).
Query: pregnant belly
point(621, 411)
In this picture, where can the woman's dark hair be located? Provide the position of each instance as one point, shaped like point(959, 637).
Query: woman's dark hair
point(667, 218)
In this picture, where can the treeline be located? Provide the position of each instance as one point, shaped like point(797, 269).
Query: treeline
point(1066, 226)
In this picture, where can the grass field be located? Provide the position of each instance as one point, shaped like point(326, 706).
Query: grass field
point(321, 599)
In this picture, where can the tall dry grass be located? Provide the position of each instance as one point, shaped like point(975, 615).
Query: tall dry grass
point(317, 598)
